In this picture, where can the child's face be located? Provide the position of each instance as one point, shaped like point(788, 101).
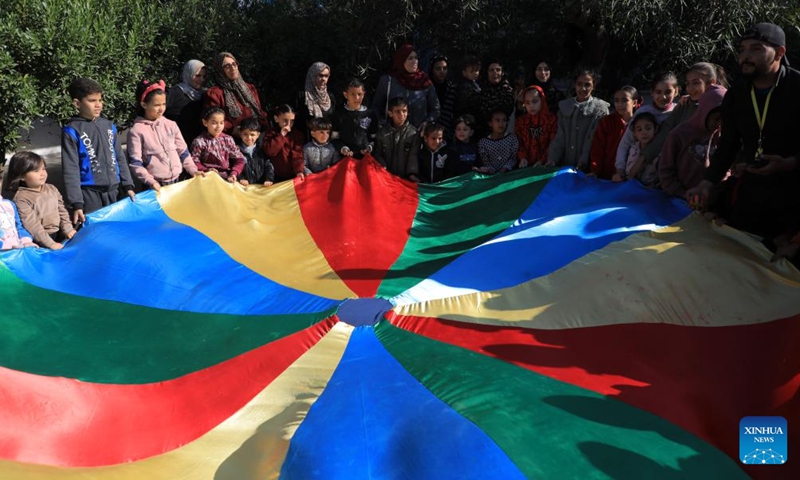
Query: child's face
point(154, 108)
point(399, 115)
point(321, 136)
point(494, 73)
point(471, 73)
point(354, 97)
point(249, 137)
point(90, 106)
point(439, 71)
point(623, 103)
point(695, 85)
point(498, 123)
point(36, 178)
point(644, 131)
point(532, 102)
point(285, 120)
point(663, 94)
point(714, 120)
point(434, 140)
point(463, 132)
point(584, 86)
point(543, 72)
point(215, 124)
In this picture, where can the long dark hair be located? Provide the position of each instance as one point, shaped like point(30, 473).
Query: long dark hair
point(20, 164)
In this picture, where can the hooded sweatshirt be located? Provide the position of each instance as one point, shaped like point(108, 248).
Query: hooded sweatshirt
point(157, 151)
point(688, 148)
point(629, 140)
point(535, 132)
point(435, 166)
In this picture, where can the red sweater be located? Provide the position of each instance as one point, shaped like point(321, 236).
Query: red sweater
point(604, 145)
point(215, 97)
point(285, 153)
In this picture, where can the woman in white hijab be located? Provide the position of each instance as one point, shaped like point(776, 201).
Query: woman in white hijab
point(185, 100)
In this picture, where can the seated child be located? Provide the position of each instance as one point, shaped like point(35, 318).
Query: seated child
point(157, 152)
point(41, 207)
point(499, 149)
point(319, 153)
point(535, 129)
point(12, 232)
point(689, 146)
point(257, 167)
point(644, 128)
point(436, 161)
point(463, 147)
point(283, 145)
point(215, 150)
point(354, 126)
point(397, 144)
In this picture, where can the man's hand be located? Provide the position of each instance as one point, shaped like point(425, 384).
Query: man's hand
point(78, 217)
point(774, 164)
point(697, 197)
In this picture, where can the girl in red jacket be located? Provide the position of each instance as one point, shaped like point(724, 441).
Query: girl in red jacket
point(610, 131)
point(284, 145)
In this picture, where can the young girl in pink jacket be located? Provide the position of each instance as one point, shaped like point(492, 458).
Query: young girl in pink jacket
point(157, 152)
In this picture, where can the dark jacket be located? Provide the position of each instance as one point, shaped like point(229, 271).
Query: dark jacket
point(764, 205)
point(185, 112)
point(91, 157)
point(354, 129)
point(437, 166)
point(257, 168)
point(397, 149)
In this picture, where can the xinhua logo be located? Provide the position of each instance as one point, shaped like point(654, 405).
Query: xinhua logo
point(762, 440)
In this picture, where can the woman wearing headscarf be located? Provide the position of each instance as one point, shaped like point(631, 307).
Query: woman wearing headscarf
point(406, 80)
point(185, 100)
point(314, 101)
point(543, 77)
point(237, 98)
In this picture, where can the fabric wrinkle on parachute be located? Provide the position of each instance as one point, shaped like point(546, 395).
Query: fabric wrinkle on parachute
point(534, 324)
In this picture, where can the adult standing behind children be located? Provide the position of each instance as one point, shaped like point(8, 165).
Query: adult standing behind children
point(578, 117)
point(406, 80)
point(445, 91)
point(92, 162)
point(543, 77)
point(759, 116)
point(496, 94)
point(185, 100)
point(237, 98)
point(314, 101)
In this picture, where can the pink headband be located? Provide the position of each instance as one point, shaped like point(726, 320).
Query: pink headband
point(153, 86)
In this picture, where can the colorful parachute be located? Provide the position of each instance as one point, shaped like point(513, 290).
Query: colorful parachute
point(536, 324)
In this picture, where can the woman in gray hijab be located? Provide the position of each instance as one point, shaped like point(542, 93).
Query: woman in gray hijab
point(185, 100)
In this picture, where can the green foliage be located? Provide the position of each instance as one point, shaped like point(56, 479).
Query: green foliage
point(44, 44)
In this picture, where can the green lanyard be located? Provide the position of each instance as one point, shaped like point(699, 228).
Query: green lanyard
point(761, 118)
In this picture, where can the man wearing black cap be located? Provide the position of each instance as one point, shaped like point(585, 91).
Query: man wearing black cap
point(761, 117)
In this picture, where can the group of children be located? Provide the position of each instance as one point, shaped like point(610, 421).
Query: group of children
point(627, 143)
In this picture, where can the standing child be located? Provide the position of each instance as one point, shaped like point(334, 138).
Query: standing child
point(214, 150)
point(354, 126)
point(535, 129)
point(12, 232)
point(644, 127)
point(41, 207)
point(258, 169)
point(157, 152)
point(283, 145)
point(463, 147)
point(436, 161)
point(664, 90)
point(498, 151)
point(397, 144)
point(610, 130)
point(319, 153)
point(578, 117)
point(699, 78)
point(688, 149)
point(91, 158)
